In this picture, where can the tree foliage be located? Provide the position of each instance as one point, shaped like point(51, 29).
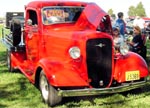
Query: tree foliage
point(139, 10)
point(132, 11)
point(110, 12)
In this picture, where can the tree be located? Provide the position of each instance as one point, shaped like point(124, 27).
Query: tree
point(137, 11)
point(110, 12)
point(140, 10)
point(132, 11)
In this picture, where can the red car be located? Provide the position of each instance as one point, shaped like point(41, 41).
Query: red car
point(66, 49)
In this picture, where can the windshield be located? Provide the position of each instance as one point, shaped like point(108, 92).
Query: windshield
point(60, 14)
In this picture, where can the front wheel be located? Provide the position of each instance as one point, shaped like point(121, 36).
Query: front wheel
point(48, 92)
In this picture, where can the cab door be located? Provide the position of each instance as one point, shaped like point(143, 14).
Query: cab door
point(32, 39)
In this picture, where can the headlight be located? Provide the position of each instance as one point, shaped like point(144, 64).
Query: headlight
point(124, 48)
point(74, 52)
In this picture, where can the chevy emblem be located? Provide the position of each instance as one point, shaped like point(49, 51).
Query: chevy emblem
point(100, 45)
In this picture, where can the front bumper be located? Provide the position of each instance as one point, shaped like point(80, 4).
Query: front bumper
point(99, 91)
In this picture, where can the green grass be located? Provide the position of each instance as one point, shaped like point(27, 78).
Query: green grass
point(17, 92)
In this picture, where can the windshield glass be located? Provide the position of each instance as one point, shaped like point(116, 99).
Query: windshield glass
point(60, 14)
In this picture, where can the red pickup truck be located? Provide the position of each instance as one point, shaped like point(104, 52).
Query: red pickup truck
point(66, 49)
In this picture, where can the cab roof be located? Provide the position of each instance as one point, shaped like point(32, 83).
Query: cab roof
point(44, 3)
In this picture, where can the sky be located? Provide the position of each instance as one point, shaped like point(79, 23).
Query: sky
point(116, 5)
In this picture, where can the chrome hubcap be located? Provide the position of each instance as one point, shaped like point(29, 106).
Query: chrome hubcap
point(44, 87)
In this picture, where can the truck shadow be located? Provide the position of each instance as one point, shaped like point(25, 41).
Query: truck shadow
point(106, 100)
point(17, 91)
point(3, 61)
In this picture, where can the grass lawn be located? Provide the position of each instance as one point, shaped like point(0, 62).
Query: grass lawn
point(17, 92)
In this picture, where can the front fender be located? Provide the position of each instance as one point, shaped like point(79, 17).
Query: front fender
point(61, 74)
point(130, 62)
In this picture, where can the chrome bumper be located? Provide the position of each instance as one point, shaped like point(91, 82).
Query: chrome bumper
point(99, 91)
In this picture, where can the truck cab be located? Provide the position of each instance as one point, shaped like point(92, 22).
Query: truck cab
point(67, 49)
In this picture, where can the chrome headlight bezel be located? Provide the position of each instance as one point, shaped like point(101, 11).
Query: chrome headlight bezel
point(124, 48)
point(74, 52)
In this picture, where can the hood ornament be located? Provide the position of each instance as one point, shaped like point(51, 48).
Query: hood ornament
point(100, 45)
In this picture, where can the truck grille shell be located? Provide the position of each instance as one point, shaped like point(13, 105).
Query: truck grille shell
point(99, 61)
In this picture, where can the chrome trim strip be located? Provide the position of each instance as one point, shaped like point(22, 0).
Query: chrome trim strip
point(98, 91)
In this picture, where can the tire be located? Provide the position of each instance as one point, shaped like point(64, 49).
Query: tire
point(16, 31)
point(9, 62)
point(49, 93)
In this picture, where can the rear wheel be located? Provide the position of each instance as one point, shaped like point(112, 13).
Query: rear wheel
point(48, 92)
point(9, 62)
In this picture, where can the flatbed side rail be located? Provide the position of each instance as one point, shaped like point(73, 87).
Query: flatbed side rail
point(7, 41)
point(8, 44)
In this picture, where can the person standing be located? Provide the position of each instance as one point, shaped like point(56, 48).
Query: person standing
point(121, 23)
point(137, 44)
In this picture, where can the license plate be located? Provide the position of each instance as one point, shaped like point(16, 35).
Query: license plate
point(132, 75)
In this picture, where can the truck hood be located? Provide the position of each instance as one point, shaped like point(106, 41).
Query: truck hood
point(91, 16)
point(75, 33)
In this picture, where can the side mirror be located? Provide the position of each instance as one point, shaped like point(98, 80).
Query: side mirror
point(29, 22)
